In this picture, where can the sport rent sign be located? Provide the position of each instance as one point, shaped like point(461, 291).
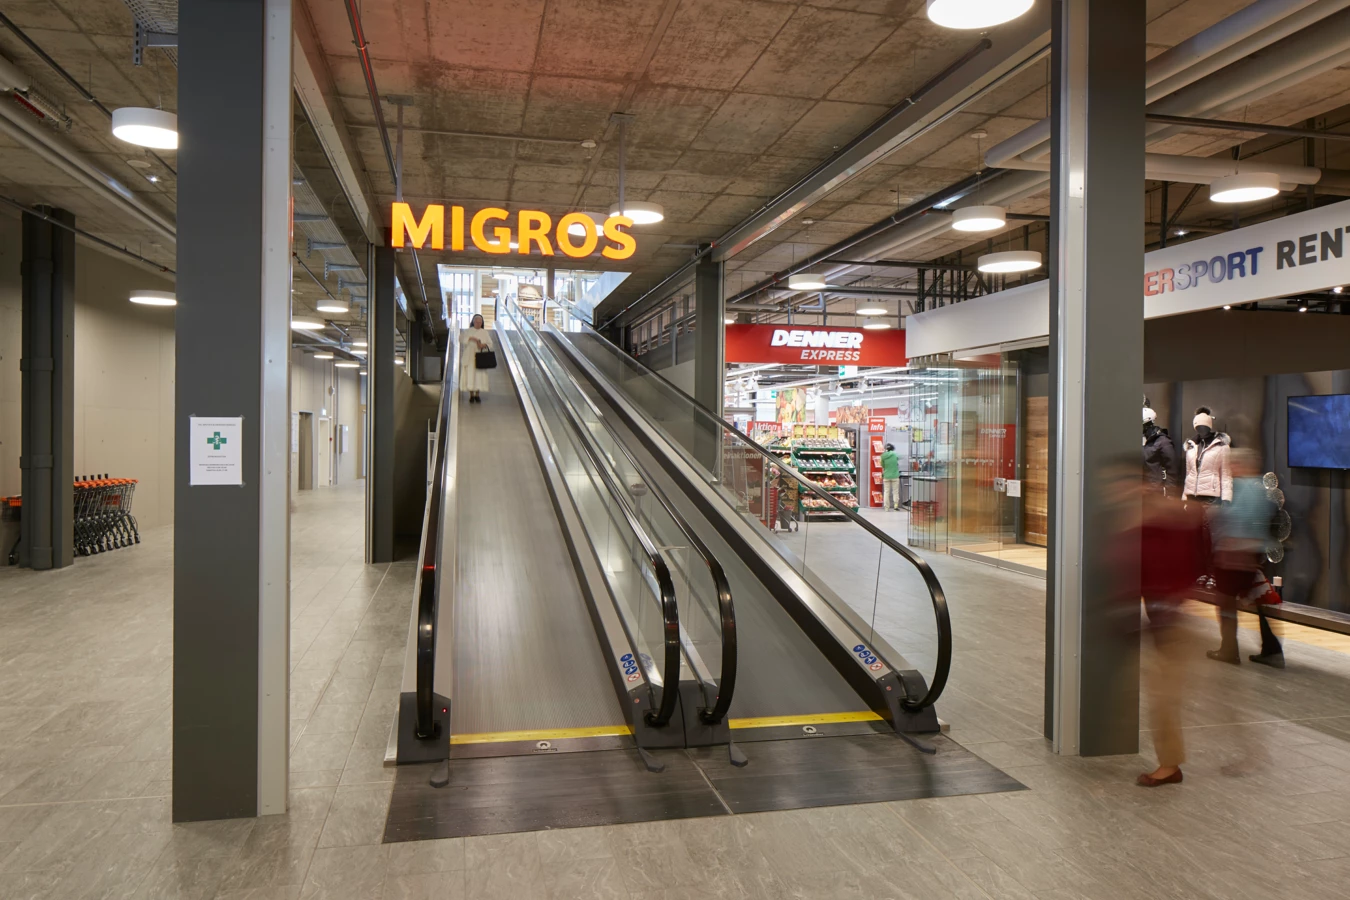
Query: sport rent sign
point(491, 230)
point(814, 345)
point(1283, 257)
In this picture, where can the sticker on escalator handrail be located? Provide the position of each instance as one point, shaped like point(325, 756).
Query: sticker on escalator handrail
point(867, 656)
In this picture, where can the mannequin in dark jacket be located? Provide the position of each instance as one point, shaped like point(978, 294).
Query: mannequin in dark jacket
point(1162, 469)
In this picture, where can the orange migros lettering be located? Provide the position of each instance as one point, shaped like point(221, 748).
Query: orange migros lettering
point(433, 224)
point(624, 240)
point(534, 227)
point(501, 233)
point(587, 245)
point(456, 228)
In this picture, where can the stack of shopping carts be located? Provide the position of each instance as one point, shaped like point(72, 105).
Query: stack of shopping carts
point(103, 519)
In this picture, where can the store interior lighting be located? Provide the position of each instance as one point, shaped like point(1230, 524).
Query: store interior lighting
point(154, 298)
point(146, 127)
point(870, 311)
point(347, 365)
point(1244, 187)
point(979, 218)
point(306, 325)
point(359, 344)
point(1010, 261)
point(323, 356)
point(640, 212)
point(969, 14)
point(877, 326)
point(330, 305)
point(807, 281)
point(576, 229)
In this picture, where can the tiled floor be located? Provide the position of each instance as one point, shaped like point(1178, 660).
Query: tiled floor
point(84, 767)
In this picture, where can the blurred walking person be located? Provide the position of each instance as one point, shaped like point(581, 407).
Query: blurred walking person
point(1240, 533)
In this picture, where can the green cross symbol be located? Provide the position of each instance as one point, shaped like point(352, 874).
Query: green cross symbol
point(215, 441)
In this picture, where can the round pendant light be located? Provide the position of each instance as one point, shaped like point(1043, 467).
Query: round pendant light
point(576, 229)
point(146, 127)
point(329, 305)
point(1010, 261)
point(1244, 187)
point(154, 298)
point(877, 326)
point(306, 325)
point(970, 14)
point(870, 311)
point(641, 213)
point(979, 218)
point(807, 281)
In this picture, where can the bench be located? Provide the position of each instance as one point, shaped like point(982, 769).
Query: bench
point(1295, 613)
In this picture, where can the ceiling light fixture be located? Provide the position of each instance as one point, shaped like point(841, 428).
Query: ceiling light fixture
point(146, 127)
point(877, 326)
point(979, 218)
point(398, 360)
point(641, 213)
point(329, 305)
point(1337, 289)
point(1303, 307)
point(1244, 187)
point(346, 364)
point(154, 298)
point(362, 372)
point(806, 281)
point(1226, 306)
point(359, 344)
point(968, 14)
point(576, 229)
point(870, 311)
point(1010, 261)
point(306, 325)
point(323, 356)
point(729, 321)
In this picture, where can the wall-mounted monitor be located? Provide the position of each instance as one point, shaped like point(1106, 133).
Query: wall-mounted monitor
point(1319, 431)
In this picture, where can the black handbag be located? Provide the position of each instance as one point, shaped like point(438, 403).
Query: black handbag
point(485, 359)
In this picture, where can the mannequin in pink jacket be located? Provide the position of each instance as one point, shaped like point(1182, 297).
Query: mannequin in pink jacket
point(1209, 476)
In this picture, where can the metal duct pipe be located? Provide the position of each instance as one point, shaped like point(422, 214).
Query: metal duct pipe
point(56, 150)
point(1196, 169)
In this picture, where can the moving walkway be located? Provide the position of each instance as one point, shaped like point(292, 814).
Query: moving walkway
point(596, 574)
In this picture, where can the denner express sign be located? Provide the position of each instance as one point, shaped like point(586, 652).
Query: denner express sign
point(814, 345)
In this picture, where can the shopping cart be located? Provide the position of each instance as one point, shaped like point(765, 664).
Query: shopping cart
point(103, 519)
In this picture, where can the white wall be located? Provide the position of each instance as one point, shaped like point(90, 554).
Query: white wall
point(317, 385)
point(124, 367)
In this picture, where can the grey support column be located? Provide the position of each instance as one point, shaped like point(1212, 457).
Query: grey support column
point(1097, 351)
point(380, 325)
point(47, 444)
point(710, 334)
point(232, 542)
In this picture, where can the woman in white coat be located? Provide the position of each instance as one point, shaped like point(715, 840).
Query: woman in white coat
point(472, 379)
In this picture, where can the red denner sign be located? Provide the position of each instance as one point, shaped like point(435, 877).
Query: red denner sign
point(815, 345)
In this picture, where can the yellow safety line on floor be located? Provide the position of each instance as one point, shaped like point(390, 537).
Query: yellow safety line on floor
point(552, 734)
point(817, 719)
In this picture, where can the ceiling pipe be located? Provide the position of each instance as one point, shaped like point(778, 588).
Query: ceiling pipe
point(55, 149)
point(1188, 123)
point(79, 232)
point(1196, 169)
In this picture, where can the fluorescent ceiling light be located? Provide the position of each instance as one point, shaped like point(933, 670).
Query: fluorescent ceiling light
point(347, 364)
point(323, 356)
point(1244, 187)
point(359, 344)
point(877, 326)
point(306, 325)
point(641, 213)
point(979, 218)
point(729, 321)
point(154, 298)
point(146, 127)
point(807, 281)
point(362, 372)
point(968, 14)
point(333, 306)
point(1010, 261)
point(870, 311)
point(576, 229)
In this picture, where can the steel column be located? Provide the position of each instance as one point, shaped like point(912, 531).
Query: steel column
point(47, 443)
point(709, 333)
point(381, 327)
point(1097, 343)
point(232, 543)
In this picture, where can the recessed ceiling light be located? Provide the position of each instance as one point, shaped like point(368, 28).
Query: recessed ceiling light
point(1181, 232)
point(870, 311)
point(323, 356)
point(146, 127)
point(979, 218)
point(153, 179)
point(806, 281)
point(1226, 306)
point(306, 325)
point(1245, 187)
point(1010, 261)
point(641, 213)
point(154, 298)
point(968, 14)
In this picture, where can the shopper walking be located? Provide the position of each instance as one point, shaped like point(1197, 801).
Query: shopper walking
point(1171, 554)
point(1240, 532)
point(473, 340)
point(890, 479)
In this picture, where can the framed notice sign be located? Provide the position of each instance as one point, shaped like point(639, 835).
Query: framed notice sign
point(215, 450)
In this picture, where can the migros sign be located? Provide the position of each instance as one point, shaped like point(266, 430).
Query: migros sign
point(490, 229)
point(814, 345)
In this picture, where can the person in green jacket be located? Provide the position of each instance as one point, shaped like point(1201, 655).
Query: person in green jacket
point(890, 479)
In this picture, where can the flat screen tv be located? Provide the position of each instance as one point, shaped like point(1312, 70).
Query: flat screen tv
point(1319, 431)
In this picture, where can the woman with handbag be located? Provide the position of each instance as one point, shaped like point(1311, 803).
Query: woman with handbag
point(475, 358)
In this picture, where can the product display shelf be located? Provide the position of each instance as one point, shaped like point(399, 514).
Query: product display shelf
point(831, 464)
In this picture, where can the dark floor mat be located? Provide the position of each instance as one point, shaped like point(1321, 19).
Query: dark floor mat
point(612, 787)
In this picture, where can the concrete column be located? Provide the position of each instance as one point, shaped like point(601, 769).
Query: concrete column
point(231, 542)
point(381, 325)
point(47, 443)
point(710, 334)
point(1097, 353)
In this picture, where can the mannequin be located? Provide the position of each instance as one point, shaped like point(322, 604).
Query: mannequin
point(1209, 477)
point(1161, 472)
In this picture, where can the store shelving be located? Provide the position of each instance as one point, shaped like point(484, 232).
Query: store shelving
point(830, 463)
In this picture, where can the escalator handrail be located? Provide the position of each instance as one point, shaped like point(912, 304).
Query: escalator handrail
point(938, 597)
point(430, 573)
point(726, 684)
point(670, 615)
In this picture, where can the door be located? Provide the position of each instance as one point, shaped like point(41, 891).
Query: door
point(325, 449)
point(305, 481)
